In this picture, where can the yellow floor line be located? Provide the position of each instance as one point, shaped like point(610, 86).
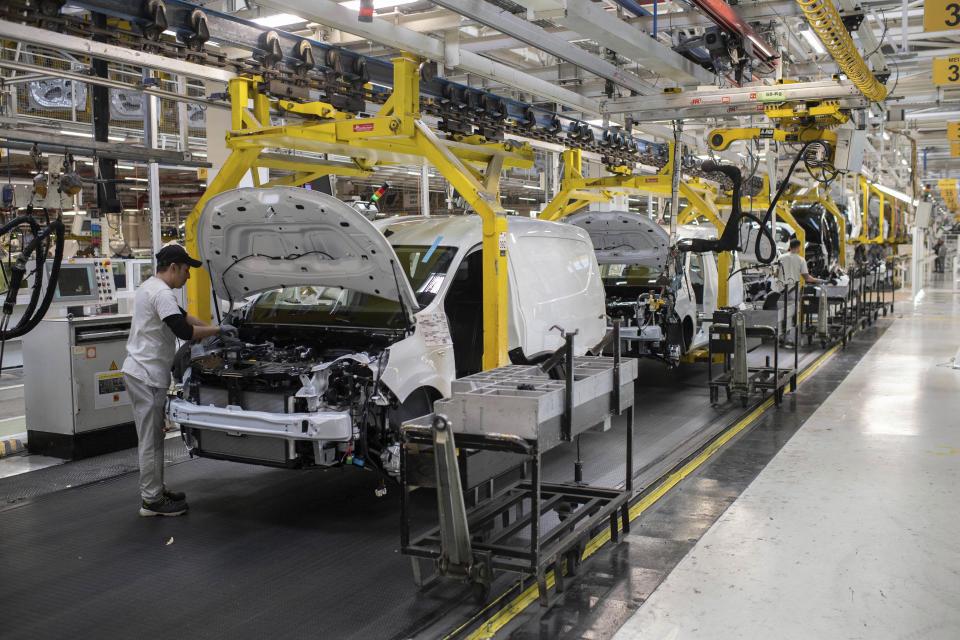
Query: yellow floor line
point(530, 595)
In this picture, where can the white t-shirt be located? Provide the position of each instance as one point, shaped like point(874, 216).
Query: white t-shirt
point(152, 345)
point(794, 267)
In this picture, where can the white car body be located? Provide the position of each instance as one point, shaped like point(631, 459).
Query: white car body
point(624, 238)
point(702, 269)
point(322, 251)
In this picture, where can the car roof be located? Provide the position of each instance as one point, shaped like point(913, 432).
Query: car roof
point(465, 230)
point(706, 231)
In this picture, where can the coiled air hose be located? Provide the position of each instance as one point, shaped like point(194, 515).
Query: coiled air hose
point(825, 21)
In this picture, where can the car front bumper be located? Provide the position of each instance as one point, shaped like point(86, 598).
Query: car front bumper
point(321, 426)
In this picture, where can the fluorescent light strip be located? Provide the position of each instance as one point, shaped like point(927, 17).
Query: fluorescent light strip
point(278, 20)
point(814, 41)
point(899, 195)
point(377, 4)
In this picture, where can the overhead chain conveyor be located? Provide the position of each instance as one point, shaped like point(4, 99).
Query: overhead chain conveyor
point(301, 69)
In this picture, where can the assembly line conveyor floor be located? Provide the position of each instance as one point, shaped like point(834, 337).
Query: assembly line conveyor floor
point(279, 553)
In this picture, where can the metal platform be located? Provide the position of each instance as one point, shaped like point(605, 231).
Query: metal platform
point(284, 554)
point(729, 336)
point(530, 527)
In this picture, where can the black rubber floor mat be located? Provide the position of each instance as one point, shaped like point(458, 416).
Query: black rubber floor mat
point(263, 552)
point(17, 489)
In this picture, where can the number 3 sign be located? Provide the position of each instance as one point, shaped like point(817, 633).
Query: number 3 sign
point(941, 15)
point(946, 70)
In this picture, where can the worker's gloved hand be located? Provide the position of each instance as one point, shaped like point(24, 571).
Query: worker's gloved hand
point(228, 330)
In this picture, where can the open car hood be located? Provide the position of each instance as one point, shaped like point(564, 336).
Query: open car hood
point(252, 240)
point(624, 238)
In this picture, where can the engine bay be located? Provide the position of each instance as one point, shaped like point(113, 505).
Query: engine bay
point(301, 376)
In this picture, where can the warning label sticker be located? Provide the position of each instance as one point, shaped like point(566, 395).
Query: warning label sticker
point(434, 329)
point(109, 390)
point(366, 126)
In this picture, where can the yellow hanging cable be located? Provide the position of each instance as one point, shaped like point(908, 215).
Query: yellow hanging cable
point(827, 24)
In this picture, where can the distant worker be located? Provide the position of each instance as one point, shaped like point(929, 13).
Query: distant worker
point(157, 322)
point(940, 255)
point(795, 267)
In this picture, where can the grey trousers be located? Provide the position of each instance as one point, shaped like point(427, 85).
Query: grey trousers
point(148, 407)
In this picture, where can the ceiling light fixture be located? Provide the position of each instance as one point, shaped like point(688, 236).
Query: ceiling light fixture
point(278, 20)
point(814, 41)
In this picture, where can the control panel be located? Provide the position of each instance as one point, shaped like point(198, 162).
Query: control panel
point(103, 277)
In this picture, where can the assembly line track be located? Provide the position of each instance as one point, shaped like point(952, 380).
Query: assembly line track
point(269, 551)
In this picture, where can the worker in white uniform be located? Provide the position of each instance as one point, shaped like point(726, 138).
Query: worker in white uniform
point(794, 270)
point(795, 267)
point(157, 323)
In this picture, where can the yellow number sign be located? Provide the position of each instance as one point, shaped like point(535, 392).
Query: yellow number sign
point(941, 15)
point(946, 70)
point(953, 131)
point(955, 149)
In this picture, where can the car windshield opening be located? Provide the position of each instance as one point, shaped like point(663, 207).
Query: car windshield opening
point(426, 268)
point(319, 305)
point(629, 275)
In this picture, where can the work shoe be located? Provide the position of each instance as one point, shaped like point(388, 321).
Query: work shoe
point(163, 507)
point(176, 496)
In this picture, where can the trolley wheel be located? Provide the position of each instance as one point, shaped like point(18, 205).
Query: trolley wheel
point(480, 584)
point(573, 561)
point(823, 344)
point(481, 591)
point(743, 400)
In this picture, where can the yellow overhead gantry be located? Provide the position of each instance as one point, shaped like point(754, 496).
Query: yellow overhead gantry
point(394, 135)
point(868, 190)
point(576, 192)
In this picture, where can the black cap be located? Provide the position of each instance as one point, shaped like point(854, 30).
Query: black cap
point(175, 254)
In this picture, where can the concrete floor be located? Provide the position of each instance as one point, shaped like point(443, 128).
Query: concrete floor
point(851, 531)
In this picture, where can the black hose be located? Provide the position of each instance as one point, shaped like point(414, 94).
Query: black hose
point(730, 238)
point(33, 314)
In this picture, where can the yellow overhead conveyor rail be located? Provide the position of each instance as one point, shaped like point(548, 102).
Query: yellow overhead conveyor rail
point(576, 192)
point(394, 135)
point(825, 21)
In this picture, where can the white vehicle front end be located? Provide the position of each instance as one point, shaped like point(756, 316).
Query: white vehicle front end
point(343, 334)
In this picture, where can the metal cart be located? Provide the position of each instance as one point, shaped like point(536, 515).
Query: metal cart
point(823, 314)
point(728, 335)
point(530, 527)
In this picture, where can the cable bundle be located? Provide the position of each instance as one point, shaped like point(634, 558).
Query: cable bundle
point(36, 250)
